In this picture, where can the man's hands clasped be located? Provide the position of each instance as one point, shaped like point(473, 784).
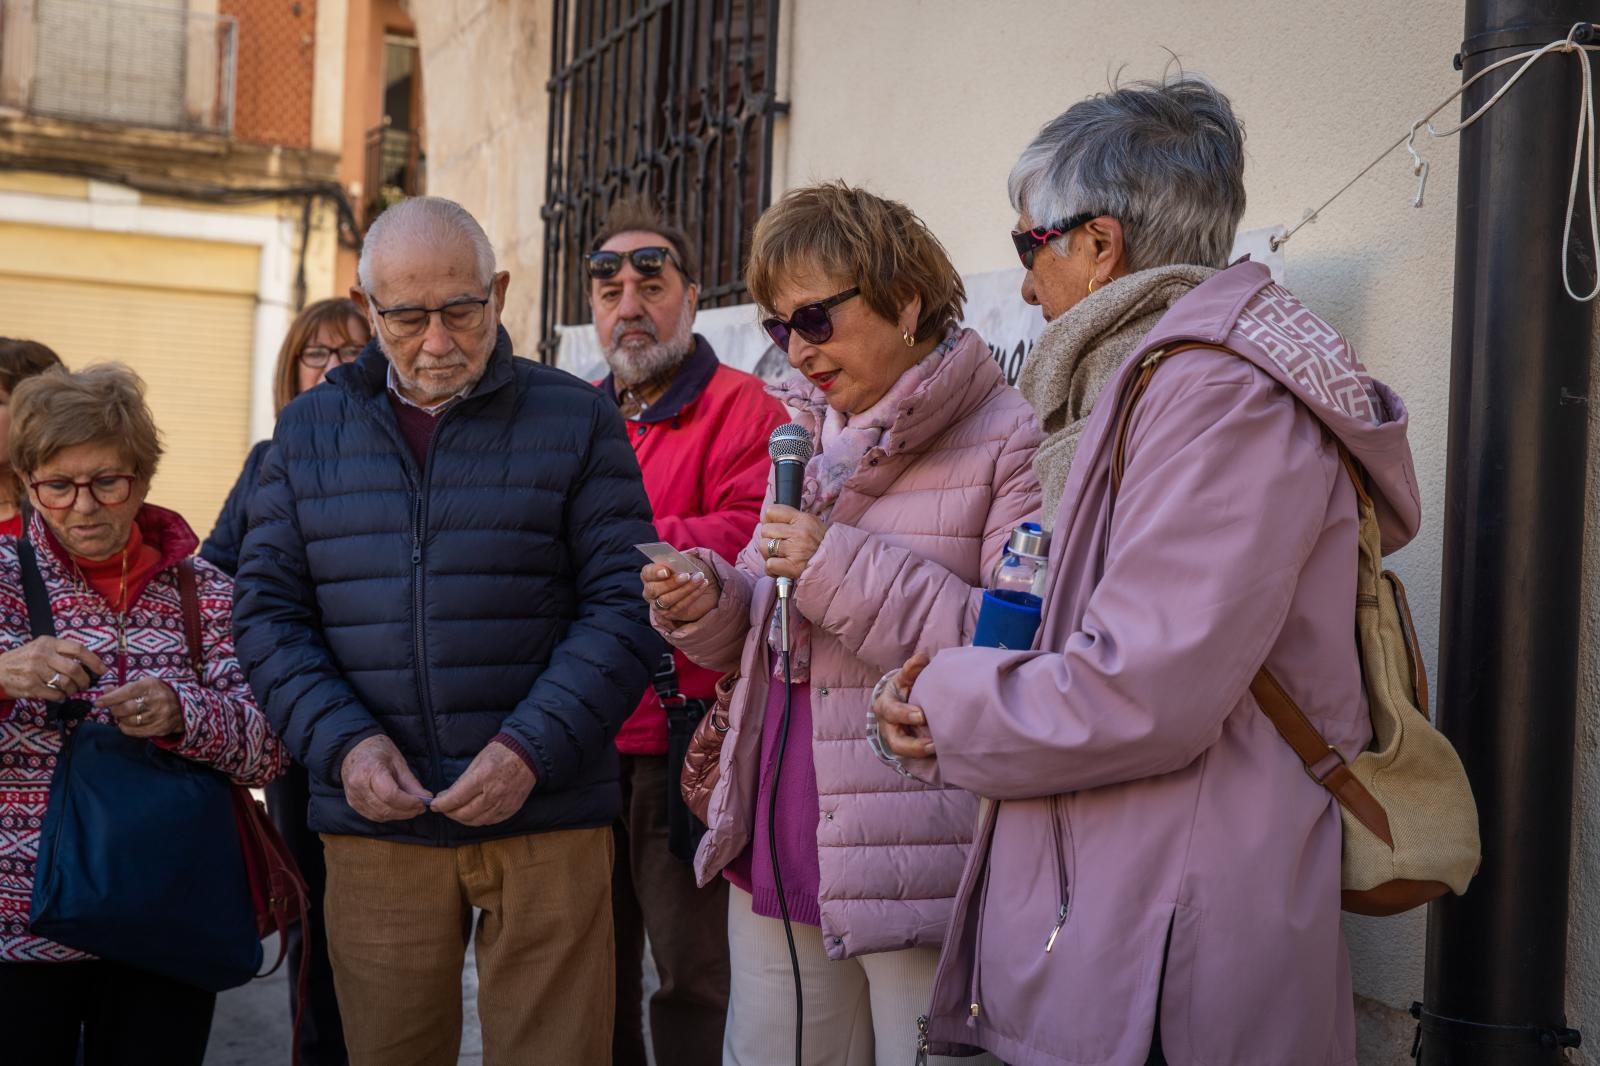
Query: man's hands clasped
point(381, 787)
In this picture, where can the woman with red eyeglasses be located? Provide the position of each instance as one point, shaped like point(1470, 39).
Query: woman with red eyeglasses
point(922, 468)
point(326, 334)
point(85, 448)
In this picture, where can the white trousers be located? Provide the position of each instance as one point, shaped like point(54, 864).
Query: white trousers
point(859, 1012)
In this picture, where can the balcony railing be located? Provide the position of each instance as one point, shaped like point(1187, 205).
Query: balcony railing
point(395, 169)
point(147, 65)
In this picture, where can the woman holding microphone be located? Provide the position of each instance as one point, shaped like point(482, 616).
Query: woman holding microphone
point(922, 467)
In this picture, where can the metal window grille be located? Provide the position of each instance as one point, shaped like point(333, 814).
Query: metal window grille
point(153, 64)
point(671, 98)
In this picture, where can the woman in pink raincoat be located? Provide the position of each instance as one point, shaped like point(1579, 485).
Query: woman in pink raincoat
point(1157, 879)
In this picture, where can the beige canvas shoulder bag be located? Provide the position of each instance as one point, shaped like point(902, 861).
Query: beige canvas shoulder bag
point(1410, 822)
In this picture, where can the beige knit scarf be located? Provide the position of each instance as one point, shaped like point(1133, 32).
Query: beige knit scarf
point(1080, 352)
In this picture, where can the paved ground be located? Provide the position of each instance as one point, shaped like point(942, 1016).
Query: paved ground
point(252, 1023)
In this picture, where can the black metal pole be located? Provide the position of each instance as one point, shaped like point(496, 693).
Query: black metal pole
point(1513, 529)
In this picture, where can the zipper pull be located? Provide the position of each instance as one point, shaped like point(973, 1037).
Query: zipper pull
point(922, 1040)
point(416, 530)
point(1061, 919)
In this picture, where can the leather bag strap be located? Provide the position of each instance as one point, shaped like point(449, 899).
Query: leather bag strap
point(189, 593)
point(41, 620)
point(1323, 762)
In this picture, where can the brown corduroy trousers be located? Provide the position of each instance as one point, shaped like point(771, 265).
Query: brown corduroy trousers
point(399, 919)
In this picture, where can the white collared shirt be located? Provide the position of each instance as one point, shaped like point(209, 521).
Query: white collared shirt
point(431, 409)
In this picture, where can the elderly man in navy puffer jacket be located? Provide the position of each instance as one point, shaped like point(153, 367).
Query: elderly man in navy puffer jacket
point(439, 608)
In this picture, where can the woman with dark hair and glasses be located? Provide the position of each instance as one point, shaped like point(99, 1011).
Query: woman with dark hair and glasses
point(326, 334)
point(922, 468)
point(85, 447)
point(19, 359)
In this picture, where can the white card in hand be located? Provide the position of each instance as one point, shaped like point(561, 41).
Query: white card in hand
point(668, 556)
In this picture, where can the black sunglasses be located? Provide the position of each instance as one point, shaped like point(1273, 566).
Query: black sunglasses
point(812, 321)
point(1029, 241)
point(647, 261)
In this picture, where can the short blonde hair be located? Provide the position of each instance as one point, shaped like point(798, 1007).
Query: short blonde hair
point(60, 409)
point(878, 245)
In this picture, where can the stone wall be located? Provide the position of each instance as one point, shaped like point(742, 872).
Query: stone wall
point(485, 64)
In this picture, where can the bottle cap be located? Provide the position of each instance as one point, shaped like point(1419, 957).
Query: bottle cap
point(1030, 539)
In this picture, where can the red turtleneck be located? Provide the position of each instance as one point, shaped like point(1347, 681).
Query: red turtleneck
point(105, 576)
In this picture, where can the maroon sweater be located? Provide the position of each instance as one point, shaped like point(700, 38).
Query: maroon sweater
point(416, 426)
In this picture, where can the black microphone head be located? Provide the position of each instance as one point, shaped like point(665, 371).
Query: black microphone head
point(791, 442)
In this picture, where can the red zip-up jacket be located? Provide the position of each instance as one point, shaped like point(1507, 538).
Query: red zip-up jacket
point(703, 450)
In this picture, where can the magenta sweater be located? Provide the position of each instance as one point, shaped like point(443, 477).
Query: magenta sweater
point(797, 818)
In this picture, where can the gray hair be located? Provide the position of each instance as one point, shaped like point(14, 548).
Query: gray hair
point(428, 220)
point(1165, 159)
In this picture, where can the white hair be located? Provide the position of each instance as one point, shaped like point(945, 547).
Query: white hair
point(428, 220)
point(1165, 159)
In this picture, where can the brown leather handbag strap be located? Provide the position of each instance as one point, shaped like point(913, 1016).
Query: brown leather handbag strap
point(1323, 762)
point(189, 593)
point(1147, 370)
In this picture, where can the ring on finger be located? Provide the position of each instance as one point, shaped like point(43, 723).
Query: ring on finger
point(139, 702)
point(54, 682)
point(772, 547)
point(138, 719)
point(660, 606)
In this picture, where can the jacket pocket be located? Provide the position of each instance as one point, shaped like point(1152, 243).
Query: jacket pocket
point(1061, 837)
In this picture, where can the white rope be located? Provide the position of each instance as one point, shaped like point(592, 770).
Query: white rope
point(1583, 150)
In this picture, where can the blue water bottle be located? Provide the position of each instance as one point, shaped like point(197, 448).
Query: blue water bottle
point(1009, 615)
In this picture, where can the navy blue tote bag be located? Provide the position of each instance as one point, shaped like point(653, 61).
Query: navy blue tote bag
point(140, 860)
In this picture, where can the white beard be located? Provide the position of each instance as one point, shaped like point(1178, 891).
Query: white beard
point(637, 364)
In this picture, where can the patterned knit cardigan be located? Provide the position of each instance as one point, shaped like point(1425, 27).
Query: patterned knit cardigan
point(222, 725)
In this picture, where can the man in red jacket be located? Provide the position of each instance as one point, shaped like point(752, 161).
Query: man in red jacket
point(700, 432)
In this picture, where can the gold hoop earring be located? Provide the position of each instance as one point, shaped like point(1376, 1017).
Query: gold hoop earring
point(910, 339)
point(1092, 283)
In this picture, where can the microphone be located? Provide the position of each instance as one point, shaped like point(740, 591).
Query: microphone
point(790, 448)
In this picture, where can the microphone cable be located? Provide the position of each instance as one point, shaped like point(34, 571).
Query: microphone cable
point(772, 835)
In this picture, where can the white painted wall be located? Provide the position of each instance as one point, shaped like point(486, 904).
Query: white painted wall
point(929, 101)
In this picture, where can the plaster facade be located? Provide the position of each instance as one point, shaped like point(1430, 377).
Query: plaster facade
point(487, 119)
point(930, 103)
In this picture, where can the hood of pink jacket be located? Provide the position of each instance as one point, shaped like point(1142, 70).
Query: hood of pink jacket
point(1242, 308)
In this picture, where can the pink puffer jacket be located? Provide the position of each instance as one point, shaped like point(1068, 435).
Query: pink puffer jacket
point(900, 570)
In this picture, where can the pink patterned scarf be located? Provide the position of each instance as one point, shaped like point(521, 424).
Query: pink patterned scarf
point(846, 440)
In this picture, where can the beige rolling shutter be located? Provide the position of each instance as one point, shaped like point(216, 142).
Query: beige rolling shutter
point(181, 329)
